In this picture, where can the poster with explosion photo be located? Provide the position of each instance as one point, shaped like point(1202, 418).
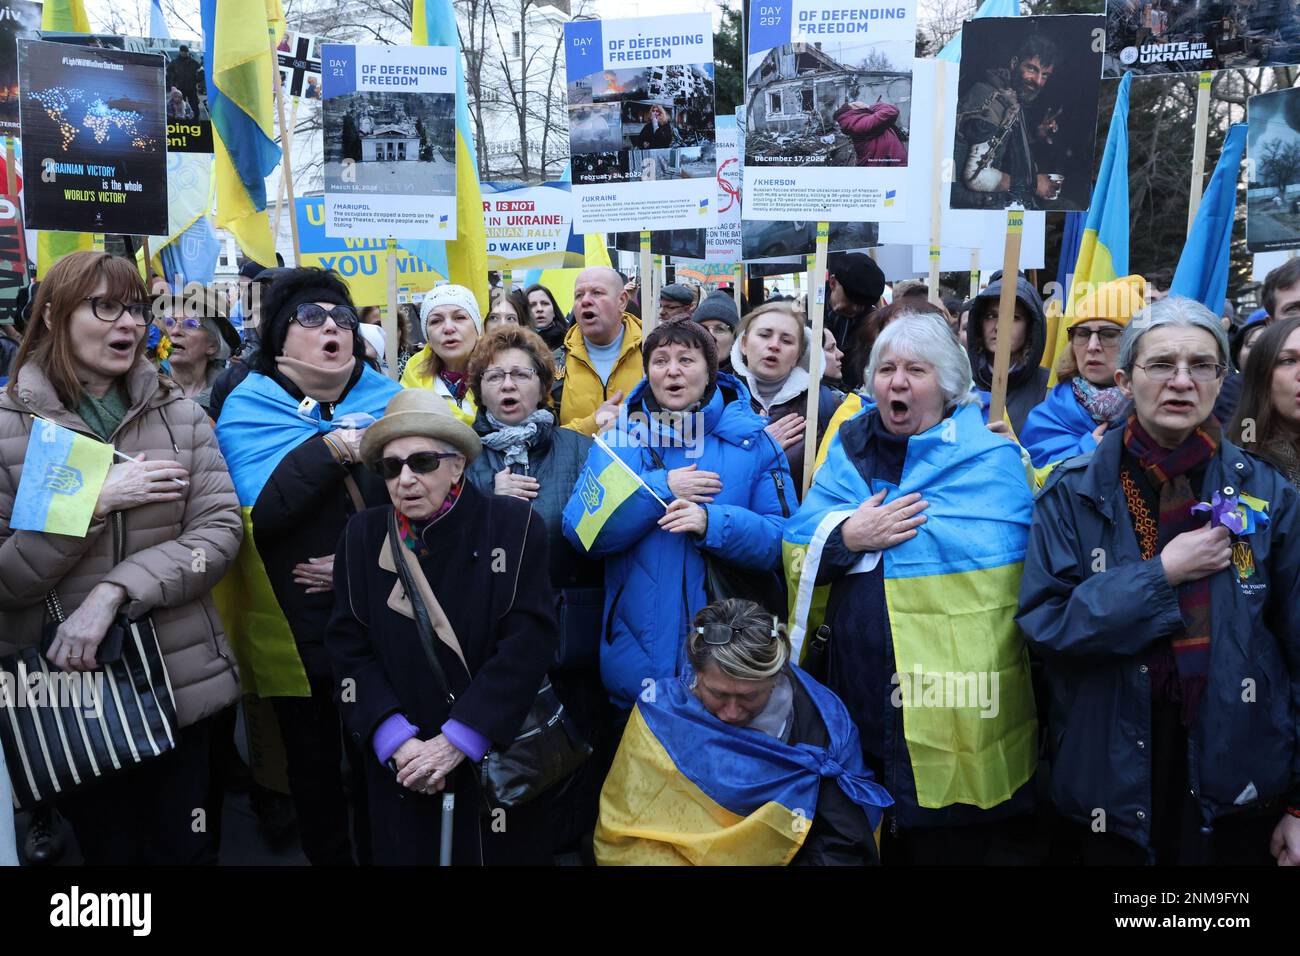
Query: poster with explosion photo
point(17, 19)
point(94, 132)
point(1026, 119)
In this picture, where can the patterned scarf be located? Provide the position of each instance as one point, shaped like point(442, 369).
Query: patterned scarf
point(456, 382)
point(412, 532)
point(1103, 404)
point(1167, 471)
point(514, 441)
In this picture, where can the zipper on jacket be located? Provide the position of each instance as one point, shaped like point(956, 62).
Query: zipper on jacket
point(780, 493)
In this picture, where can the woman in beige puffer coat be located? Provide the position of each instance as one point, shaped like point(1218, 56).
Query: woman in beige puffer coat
point(88, 373)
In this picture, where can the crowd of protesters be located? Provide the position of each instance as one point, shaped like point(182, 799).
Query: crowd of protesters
point(393, 566)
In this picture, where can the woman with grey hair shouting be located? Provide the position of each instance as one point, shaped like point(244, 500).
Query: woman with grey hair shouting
point(1160, 588)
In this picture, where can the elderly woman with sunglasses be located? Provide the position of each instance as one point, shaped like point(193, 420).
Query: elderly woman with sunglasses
point(290, 432)
point(473, 560)
point(1077, 412)
point(164, 530)
point(1160, 588)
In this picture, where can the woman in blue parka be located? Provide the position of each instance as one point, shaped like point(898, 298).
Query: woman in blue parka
point(1169, 630)
point(690, 435)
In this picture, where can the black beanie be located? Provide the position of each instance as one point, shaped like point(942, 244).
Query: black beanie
point(720, 307)
point(286, 293)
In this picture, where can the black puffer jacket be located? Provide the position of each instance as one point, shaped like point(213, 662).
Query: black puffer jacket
point(1027, 381)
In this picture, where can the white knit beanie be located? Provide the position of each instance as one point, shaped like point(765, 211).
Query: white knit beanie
point(451, 295)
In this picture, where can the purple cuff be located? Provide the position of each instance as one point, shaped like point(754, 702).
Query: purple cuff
point(392, 733)
point(466, 739)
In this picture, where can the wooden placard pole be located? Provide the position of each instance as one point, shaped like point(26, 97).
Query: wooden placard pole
point(645, 269)
point(286, 139)
point(507, 280)
point(936, 184)
point(391, 337)
point(287, 171)
point(974, 273)
point(148, 267)
point(1198, 146)
point(1006, 313)
point(816, 314)
point(738, 277)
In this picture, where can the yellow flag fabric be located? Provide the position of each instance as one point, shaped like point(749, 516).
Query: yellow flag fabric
point(601, 496)
point(65, 16)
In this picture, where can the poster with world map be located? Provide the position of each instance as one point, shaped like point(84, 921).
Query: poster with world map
point(94, 132)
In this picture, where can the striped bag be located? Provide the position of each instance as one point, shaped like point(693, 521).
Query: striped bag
point(62, 730)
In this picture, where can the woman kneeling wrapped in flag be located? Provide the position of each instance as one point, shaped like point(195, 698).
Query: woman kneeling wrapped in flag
point(918, 521)
point(746, 760)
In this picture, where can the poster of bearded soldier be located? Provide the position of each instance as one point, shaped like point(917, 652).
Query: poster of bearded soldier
point(1027, 112)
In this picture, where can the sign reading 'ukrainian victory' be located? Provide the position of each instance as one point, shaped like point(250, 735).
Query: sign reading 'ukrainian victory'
point(828, 106)
point(641, 126)
point(390, 141)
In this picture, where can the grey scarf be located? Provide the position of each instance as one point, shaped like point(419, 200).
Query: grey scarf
point(513, 441)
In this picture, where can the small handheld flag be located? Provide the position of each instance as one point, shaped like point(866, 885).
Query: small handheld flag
point(63, 473)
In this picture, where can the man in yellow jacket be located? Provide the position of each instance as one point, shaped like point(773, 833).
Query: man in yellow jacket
point(600, 361)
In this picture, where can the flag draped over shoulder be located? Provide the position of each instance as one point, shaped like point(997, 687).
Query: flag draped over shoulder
point(433, 23)
point(63, 473)
point(1103, 251)
point(951, 595)
point(1202, 272)
point(259, 425)
point(241, 102)
point(63, 16)
point(687, 789)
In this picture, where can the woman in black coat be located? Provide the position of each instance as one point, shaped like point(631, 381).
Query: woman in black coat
point(475, 552)
point(527, 456)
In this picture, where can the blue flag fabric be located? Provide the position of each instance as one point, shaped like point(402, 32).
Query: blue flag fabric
point(193, 255)
point(989, 8)
point(1202, 272)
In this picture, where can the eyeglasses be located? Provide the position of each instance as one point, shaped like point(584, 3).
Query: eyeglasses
point(170, 322)
point(720, 635)
point(311, 316)
point(496, 376)
point(421, 463)
point(1083, 335)
point(110, 310)
point(1200, 372)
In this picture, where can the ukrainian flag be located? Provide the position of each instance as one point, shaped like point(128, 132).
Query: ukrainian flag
point(687, 789)
point(63, 473)
point(1202, 272)
point(63, 16)
point(951, 595)
point(259, 425)
point(241, 100)
point(605, 483)
point(1103, 252)
point(433, 23)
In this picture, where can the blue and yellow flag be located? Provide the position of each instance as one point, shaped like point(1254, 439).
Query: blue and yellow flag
point(687, 789)
point(241, 101)
point(63, 16)
point(433, 23)
point(1103, 251)
point(605, 483)
point(259, 425)
point(63, 473)
point(1202, 272)
point(951, 595)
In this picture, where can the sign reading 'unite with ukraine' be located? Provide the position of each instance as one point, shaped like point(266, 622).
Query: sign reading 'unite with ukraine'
point(63, 473)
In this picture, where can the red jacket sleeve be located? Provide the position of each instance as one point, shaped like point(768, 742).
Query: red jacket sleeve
point(864, 122)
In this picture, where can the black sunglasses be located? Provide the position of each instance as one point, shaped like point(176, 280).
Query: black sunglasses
point(311, 316)
point(421, 463)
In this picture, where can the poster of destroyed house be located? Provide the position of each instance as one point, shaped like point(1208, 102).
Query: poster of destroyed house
point(824, 104)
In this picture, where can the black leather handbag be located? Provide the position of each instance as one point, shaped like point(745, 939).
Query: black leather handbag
point(548, 747)
point(85, 725)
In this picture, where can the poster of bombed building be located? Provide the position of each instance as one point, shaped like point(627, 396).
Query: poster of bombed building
point(389, 114)
point(828, 95)
point(1026, 119)
point(1273, 167)
point(1151, 37)
point(94, 138)
point(19, 18)
point(641, 126)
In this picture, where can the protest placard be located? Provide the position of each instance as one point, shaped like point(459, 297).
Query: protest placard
point(299, 60)
point(531, 227)
point(1273, 166)
point(1153, 37)
point(18, 18)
